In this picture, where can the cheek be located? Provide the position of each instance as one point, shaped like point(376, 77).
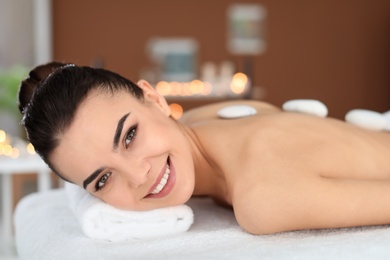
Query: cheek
point(120, 197)
point(163, 134)
point(119, 194)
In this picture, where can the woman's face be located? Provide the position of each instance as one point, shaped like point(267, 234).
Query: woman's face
point(127, 152)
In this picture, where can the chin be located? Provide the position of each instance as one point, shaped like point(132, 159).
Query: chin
point(186, 195)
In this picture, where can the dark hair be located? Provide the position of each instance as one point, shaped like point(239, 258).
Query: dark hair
point(51, 95)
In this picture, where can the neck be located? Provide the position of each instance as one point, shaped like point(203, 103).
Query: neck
point(209, 179)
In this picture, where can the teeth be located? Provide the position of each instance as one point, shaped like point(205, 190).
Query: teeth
point(163, 181)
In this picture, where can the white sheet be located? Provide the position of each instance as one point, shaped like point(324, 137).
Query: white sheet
point(46, 229)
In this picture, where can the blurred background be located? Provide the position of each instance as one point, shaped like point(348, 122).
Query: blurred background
point(337, 51)
point(199, 52)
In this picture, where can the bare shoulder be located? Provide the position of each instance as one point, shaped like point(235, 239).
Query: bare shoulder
point(209, 112)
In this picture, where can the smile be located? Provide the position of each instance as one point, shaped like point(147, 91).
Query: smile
point(164, 183)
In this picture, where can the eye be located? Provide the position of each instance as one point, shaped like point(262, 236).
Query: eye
point(130, 135)
point(102, 181)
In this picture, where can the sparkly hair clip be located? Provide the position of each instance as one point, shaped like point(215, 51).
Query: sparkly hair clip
point(68, 65)
point(59, 69)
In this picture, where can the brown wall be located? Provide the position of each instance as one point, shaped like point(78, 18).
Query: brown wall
point(337, 51)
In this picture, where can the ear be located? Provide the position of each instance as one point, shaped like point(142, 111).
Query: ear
point(151, 96)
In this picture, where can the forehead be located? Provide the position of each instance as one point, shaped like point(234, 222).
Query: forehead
point(100, 112)
point(100, 100)
point(104, 106)
point(103, 109)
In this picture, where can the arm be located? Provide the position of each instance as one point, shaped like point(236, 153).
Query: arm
point(315, 202)
point(209, 112)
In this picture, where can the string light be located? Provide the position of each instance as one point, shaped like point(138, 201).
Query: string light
point(15, 153)
point(239, 82)
point(8, 150)
point(30, 149)
point(176, 110)
point(234, 86)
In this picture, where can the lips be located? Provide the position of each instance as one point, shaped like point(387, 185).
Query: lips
point(164, 183)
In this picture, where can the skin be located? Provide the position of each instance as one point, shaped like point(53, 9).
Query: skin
point(278, 171)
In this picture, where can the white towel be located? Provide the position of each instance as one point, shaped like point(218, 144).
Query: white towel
point(45, 229)
point(387, 116)
point(101, 221)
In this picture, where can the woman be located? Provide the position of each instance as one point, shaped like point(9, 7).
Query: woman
point(279, 171)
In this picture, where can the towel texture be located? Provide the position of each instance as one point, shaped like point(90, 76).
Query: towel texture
point(101, 221)
point(46, 229)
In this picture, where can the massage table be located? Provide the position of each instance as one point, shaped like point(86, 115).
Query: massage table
point(45, 228)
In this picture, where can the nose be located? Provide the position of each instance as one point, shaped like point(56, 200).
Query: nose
point(134, 171)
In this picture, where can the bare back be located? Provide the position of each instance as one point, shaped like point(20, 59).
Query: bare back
point(286, 171)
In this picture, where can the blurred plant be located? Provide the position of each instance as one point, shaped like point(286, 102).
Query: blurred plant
point(9, 85)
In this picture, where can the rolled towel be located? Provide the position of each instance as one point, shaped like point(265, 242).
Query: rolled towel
point(100, 221)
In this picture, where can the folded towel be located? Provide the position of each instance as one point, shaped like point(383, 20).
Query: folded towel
point(101, 221)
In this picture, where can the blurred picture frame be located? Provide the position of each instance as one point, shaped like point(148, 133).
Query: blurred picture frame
point(246, 29)
point(176, 58)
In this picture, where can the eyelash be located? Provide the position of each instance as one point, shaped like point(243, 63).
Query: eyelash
point(130, 135)
point(102, 181)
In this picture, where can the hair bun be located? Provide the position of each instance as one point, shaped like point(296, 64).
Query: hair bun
point(31, 83)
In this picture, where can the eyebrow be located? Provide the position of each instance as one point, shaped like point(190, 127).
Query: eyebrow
point(91, 177)
point(118, 133)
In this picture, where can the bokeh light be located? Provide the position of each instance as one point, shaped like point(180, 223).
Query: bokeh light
point(176, 110)
point(239, 83)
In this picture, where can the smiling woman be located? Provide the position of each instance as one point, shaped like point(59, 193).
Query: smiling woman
point(279, 171)
point(128, 146)
point(116, 132)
